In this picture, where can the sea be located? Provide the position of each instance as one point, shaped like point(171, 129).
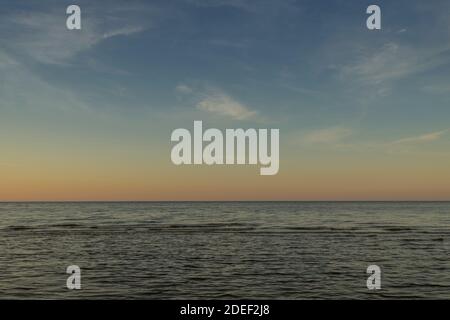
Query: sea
point(225, 250)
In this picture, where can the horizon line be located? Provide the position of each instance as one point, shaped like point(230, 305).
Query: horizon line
point(150, 201)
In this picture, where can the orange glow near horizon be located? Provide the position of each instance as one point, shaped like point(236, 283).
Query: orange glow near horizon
point(372, 180)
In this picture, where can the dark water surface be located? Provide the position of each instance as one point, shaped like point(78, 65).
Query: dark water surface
point(275, 250)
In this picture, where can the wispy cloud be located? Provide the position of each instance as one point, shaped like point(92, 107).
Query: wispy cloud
point(391, 62)
point(125, 31)
point(399, 146)
point(43, 37)
point(215, 101)
point(428, 137)
point(327, 135)
point(183, 88)
point(224, 105)
point(33, 36)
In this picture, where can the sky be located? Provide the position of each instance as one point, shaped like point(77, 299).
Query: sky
point(87, 114)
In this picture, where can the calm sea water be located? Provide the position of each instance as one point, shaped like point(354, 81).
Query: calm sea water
point(275, 250)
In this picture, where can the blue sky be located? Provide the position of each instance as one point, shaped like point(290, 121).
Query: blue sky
point(311, 60)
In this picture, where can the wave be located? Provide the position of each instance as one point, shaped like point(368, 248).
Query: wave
point(228, 227)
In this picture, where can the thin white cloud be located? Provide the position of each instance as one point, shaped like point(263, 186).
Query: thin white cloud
point(433, 136)
point(185, 89)
point(215, 101)
point(392, 62)
point(403, 145)
point(125, 31)
point(43, 36)
point(327, 135)
point(224, 105)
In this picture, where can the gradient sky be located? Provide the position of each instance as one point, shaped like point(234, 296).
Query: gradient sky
point(87, 115)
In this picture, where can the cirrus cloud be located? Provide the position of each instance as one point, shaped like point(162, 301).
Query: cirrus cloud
point(223, 104)
point(327, 135)
point(422, 138)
